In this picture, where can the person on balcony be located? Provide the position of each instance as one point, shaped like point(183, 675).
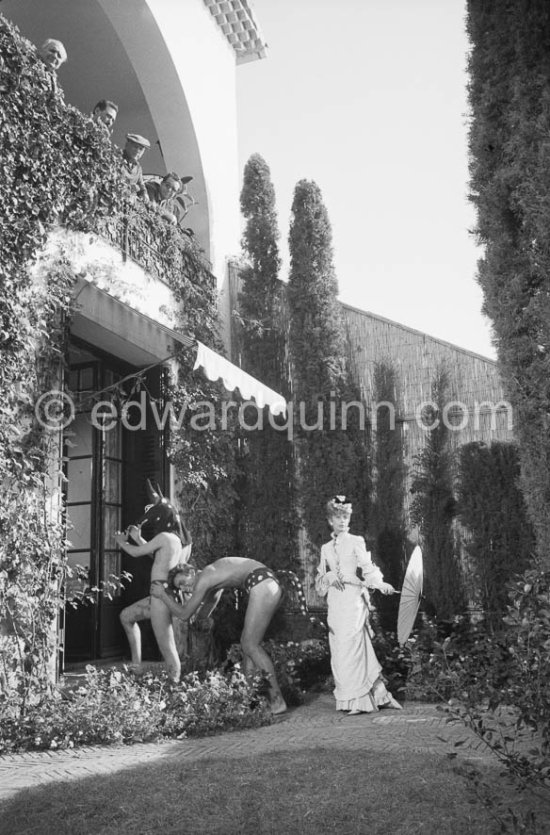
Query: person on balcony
point(182, 203)
point(104, 114)
point(134, 149)
point(53, 54)
point(162, 194)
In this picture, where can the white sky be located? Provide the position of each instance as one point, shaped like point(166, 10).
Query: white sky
point(368, 98)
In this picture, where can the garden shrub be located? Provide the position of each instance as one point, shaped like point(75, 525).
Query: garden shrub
point(496, 682)
point(387, 525)
point(491, 507)
point(392, 657)
point(445, 657)
point(113, 706)
point(299, 666)
point(433, 508)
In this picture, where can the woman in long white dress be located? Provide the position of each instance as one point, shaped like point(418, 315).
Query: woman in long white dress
point(359, 687)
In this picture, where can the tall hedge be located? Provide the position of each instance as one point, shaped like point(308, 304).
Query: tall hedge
point(332, 458)
point(266, 520)
point(510, 181)
point(492, 509)
point(387, 526)
point(433, 509)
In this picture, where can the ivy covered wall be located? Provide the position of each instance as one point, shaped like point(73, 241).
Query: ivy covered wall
point(59, 169)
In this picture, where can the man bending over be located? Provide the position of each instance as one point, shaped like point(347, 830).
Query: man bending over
point(264, 596)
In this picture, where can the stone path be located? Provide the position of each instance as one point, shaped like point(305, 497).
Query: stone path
point(417, 728)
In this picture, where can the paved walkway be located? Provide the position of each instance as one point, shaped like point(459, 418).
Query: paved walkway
point(418, 728)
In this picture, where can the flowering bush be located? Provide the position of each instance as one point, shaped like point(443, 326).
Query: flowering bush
point(496, 682)
point(113, 706)
point(445, 658)
point(299, 666)
point(393, 658)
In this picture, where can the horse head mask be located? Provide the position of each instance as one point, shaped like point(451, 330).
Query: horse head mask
point(160, 515)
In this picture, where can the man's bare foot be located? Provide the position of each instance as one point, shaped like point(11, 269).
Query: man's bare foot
point(136, 669)
point(278, 705)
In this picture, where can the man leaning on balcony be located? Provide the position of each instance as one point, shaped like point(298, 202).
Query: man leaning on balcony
point(53, 55)
point(134, 149)
point(161, 195)
point(104, 115)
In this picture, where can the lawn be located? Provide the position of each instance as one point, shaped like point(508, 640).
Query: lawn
point(311, 791)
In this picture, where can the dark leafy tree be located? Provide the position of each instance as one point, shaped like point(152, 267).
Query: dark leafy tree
point(267, 517)
point(492, 508)
point(260, 297)
point(387, 516)
point(510, 180)
point(433, 510)
point(332, 455)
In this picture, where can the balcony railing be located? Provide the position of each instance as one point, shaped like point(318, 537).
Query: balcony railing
point(164, 251)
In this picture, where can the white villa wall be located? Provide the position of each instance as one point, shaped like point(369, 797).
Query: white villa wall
point(207, 68)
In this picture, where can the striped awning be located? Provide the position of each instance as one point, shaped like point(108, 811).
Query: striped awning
point(118, 329)
point(217, 367)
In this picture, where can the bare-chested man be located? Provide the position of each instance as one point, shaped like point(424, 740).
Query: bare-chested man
point(169, 545)
point(264, 596)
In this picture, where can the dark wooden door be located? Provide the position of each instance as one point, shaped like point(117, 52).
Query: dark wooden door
point(93, 500)
point(81, 469)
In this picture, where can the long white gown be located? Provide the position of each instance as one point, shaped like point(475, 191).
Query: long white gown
point(355, 667)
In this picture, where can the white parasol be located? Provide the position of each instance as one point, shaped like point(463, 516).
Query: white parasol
point(411, 594)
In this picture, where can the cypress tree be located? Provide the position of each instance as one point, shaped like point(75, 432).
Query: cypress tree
point(332, 457)
point(510, 180)
point(267, 516)
point(263, 340)
point(492, 509)
point(387, 519)
point(433, 509)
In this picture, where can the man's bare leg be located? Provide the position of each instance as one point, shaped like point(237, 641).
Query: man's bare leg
point(262, 604)
point(129, 618)
point(161, 621)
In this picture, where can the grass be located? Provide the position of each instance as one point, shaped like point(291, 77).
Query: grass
point(307, 792)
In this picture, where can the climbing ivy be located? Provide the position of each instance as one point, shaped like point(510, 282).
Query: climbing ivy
point(58, 168)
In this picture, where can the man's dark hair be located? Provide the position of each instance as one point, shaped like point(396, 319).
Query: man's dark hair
point(103, 104)
point(184, 567)
point(172, 176)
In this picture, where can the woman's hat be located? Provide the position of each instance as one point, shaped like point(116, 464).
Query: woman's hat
point(339, 506)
